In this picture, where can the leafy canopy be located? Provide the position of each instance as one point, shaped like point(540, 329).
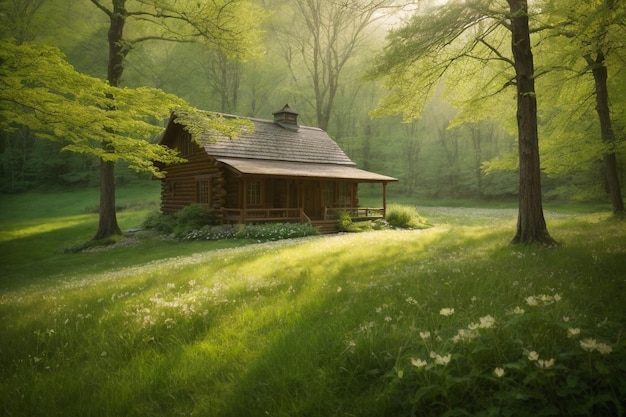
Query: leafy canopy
point(41, 90)
point(460, 46)
point(231, 26)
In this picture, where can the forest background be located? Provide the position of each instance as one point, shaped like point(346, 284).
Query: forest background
point(316, 61)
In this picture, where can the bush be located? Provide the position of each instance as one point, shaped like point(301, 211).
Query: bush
point(191, 217)
point(405, 217)
point(277, 231)
point(345, 221)
point(194, 222)
point(220, 232)
point(258, 232)
point(160, 222)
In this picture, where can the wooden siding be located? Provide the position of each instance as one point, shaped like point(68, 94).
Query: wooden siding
point(180, 187)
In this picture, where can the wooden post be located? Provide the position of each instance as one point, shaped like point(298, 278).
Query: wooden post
point(244, 203)
point(384, 200)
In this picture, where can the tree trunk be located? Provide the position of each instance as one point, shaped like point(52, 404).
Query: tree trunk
point(600, 76)
point(531, 225)
point(107, 224)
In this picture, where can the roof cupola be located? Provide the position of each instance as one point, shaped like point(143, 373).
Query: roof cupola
point(287, 117)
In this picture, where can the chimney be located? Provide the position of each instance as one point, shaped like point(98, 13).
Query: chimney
point(286, 117)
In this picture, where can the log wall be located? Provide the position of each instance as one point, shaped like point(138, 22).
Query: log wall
point(180, 187)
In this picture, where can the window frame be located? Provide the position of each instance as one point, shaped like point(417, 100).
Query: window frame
point(254, 193)
point(203, 192)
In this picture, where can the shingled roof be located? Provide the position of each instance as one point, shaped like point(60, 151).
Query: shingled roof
point(271, 141)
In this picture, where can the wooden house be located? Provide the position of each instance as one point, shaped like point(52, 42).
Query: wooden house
point(279, 172)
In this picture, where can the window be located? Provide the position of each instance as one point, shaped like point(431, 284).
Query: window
point(170, 187)
point(329, 193)
point(254, 193)
point(186, 145)
point(203, 192)
point(345, 195)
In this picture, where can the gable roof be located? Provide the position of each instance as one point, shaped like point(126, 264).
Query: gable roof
point(271, 141)
point(275, 149)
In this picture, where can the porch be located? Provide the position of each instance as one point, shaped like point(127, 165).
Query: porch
point(327, 224)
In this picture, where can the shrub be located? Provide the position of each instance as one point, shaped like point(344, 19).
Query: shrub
point(405, 217)
point(345, 221)
point(258, 232)
point(220, 232)
point(277, 231)
point(191, 217)
point(194, 222)
point(160, 222)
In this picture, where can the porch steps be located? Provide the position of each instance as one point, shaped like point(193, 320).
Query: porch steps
point(326, 227)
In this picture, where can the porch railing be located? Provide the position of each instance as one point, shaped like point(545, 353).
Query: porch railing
point(262, 215)
point(356, 213)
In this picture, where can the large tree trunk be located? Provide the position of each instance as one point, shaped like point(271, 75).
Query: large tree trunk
point(107, 224)
point(600, 76)
point(531, 225)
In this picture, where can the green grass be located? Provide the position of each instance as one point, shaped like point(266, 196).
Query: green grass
point(319, 326)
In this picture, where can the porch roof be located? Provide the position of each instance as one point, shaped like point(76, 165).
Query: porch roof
point(303, 169)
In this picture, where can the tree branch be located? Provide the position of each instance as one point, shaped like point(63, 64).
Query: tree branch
point(495, 51)
point(101, 7)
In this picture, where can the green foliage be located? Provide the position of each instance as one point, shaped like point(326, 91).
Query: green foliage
point(191, 217)
point(532, 359)
point(276, 231)
point(194, 222)
point(405, 217)
point(345, 221)
point(41, 91)
point(164, 223)
point(207, 127)
point(347, 225)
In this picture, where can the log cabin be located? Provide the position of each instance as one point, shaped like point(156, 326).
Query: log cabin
point(278, 171)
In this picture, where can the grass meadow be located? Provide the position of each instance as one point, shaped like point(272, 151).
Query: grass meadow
point(446, 321)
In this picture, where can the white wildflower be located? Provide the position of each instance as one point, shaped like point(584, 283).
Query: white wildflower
point(531, 301)
point(604, 349)
point(486, 322)
point(499, 372)
point(446, 312)
point(588, 344)
point(533, 356)
point(518, 310)
point(424, 335)
point(573, 332)
point(443, 360)
point(545, 363)
point(418, 363)
point(547, 299)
